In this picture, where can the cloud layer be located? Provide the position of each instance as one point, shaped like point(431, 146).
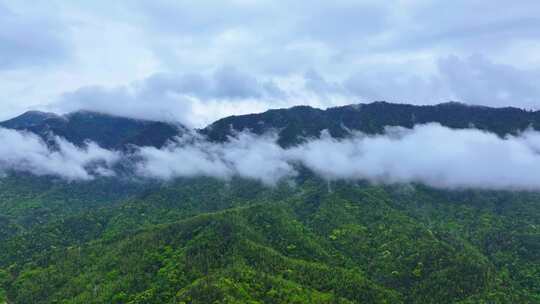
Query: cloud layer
point(28, 39)
point(26, 152)
point(247, 155)
point(195, 99)
point(429, 154)
point(198, 61)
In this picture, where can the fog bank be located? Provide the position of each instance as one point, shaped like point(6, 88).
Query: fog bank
point(429, 154)
point(21, 151)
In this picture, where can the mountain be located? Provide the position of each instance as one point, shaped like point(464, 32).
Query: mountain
point(293, 124)
point(308, 240)
point(206, 241)
point(29, 119)
point(300, 122)
point(111, 132)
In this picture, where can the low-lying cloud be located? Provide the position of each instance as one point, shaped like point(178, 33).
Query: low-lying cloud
point(21, 151)
point(429, 154)
point(246, 155)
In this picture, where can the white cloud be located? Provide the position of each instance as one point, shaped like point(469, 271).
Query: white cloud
point(397, 51)
point(247, 155)
point(198, 99)
point(429, 154)
point(26, 152)
point(175, 97)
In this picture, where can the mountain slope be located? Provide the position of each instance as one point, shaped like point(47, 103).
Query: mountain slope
point(292, 124)
point(305, 240)
point(204, 240)
point(299, 122)
point(111, 132)
point(29, 119)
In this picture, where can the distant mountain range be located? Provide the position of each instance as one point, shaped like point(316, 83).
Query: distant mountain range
point(292, 124)
point(111, 132)
point(202, 239)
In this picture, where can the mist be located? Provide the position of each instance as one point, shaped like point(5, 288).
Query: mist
point(22, 151)
point(245, 155)
point(430, 154)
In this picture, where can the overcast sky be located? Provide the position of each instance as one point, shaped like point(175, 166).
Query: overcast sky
point(195, 61)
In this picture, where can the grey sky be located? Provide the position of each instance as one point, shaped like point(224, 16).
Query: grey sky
point(195, 61)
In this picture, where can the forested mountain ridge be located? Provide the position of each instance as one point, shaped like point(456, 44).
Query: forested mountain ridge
point(202, 241)
point(292, 124)
point(303, 121)
point(111, 132)
point(236, 240)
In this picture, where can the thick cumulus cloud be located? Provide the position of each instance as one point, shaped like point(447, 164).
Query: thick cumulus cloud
point(26, 152)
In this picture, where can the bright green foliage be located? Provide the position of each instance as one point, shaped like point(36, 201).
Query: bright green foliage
point(207, 241)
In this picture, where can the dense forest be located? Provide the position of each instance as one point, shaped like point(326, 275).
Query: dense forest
point(306, 240)
point(203, 240)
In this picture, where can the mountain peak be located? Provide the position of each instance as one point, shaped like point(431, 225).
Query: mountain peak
point(29, 119)
point(109, 131)
point(93, 113)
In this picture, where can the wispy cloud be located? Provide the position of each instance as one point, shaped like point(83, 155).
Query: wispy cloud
point(21, 151)
point(246, 155)
point(429, 154)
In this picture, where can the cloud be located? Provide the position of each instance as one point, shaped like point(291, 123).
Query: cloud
point(28, 40)
point(175, 97)
point(460, 27)
point(225, 82)
point(228, 82)
point(246, 155)
point(237, 56)
point(430, 154)
point(477, 80)
point(474, 80)
point(136, 102)
point(198, 99)
point(394, 85)
point(26, 152)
